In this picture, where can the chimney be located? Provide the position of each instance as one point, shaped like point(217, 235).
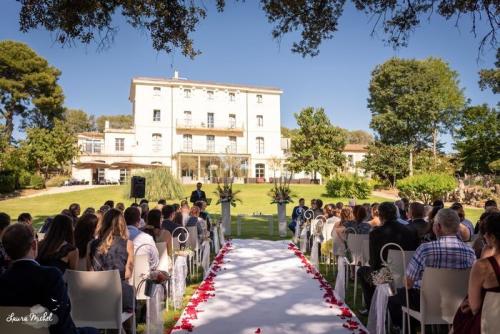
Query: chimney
point(106, 125)
point(176, 74)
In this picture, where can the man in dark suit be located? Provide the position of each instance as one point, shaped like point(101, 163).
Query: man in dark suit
point(26, 283)
point(417, 222)
point(198, 194)
point(390, 231)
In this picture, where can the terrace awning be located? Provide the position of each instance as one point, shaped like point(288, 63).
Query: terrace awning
point(91, 164)
point(130, 165)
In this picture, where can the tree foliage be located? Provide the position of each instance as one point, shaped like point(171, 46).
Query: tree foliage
point(78, 121)
point(413, 100)
point(426, 187)
point(115, 122)
point(28, 88)
point(477, 139)
point(161, 184)
point(171, 23)
point(387, 162)
point(359, 137)
point(491, 78)
point(348, 186)
point(317, 146)
point(46, 149)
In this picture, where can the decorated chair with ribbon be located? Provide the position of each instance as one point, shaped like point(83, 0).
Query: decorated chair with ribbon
point(355, 244)
point(180, 236)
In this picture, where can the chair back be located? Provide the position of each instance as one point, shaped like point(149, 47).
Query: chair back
point(96, 298)
point(355, 245)
point(442, 292)
point(9, 327)
point(162, 247)
point(397, 266)
point(141, 271)
point(366, 252)
point(192, 241)
point(490, 313)
point(327, 231)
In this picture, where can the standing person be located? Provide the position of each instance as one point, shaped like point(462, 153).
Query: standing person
point(390, 231)
point(58, 249)
point(297, 214)
point(448, 252)
point(198, 194)
point(84, 233)
point(27, 283)
point(4, 259)
point(112, 250)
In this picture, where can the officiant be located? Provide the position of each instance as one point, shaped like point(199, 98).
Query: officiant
point(198, 194)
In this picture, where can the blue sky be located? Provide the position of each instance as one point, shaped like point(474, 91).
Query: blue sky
point(237, 48)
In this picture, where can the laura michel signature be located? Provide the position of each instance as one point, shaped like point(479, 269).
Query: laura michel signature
point(31, 317)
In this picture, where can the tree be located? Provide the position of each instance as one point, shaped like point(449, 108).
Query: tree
point(287, 132)
point(78, 121)
point(46, 149)
point(477, 139)
point(115, 121)
point(359, 137)
point(317, 146)
point(388, 162)
point(28, 88)
point(491, 78)
point(171, 23)
point(426, 187)
point(412, 101)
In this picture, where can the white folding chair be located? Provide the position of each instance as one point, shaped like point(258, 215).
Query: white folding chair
point(355, 246)
point(96, 299)
point(490, 313)
point(162, 247)
point(194, 243)
point(442, 292)
point(181, 238)
point(18, 327)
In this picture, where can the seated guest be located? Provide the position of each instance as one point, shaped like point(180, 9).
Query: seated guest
point(109, 203)
point(89, 210)
point(346, 218)
point(143, 242)
point(26, 283)
point(58, 249)
point(144, 213)
point(154, 222)
point(162, 202)
point(143, 201)
point(168, 213)
point(84, 233)
point(25, 218)
point(317, 208)
point(204, 214)
point(330, 212)
point(466, 230)
point(490, 204)
point(368, 211)
point(358, 224)
point(390, 231)
point(4, 259)
point(112, 250)
point(448, 252)
point(195, 221)
point(297, 214)
point(484, 277)
point(339, 206)
point(375, 218)
point(120, 206)
point(74, 212)
point(417, 222)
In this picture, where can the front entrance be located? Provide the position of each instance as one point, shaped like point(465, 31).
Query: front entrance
point(98, 176)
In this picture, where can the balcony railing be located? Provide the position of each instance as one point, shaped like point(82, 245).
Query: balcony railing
point(216, 150)
point(205, 127)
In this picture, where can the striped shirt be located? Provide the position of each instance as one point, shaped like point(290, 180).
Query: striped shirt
point(448, 252)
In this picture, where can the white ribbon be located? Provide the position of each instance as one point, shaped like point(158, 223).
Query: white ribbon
point(303, 240)
point(179, 280)
point(378, 309)
point(314, 252)
point(340, 281)
point(205, 257)
point(216, 239)
point(155, 311)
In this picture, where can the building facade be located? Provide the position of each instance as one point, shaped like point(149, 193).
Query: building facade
point(199, 130)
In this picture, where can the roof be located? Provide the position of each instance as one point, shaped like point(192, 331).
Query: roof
point(91, 134)
point(174, 81)
point(356, 148)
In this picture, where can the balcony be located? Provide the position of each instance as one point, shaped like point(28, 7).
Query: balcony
point(217, 150)
point(196, 127)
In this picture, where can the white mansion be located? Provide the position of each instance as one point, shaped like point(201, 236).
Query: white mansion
point(197, 129)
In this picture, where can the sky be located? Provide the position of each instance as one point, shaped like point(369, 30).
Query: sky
point(237, 47)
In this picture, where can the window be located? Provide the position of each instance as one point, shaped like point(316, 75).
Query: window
point(156, 163)
point(187, 93)
point(156, 115)
point(232, 145)
point(259, 98)
point(101, 176)
point(211, 143)
point(92, 146)
point(187, 143)
point(210, 94)
point(260, 145)
point(260, 170)
point(232, 97)
point(187, 118)
point(119, 144)
point(156, 91)
point(156, 142)
point(97, 146)
point(350, 160)
point(210, 120)
point(124, 175)
point(232, 121)
point(260, 121)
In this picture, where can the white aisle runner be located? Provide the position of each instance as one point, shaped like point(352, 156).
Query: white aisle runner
point(264, 287)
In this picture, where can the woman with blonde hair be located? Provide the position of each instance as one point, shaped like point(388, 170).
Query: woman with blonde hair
point(112, 250)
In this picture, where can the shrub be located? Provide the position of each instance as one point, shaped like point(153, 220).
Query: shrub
point(161, 184)
point(24, 179)
point(37, 182)
point(426, 187)
point(7, 182)
point(348, 186)
point(56, 181)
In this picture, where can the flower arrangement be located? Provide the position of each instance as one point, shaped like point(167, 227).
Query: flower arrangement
point(281, 193)
point(225, 192)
